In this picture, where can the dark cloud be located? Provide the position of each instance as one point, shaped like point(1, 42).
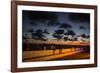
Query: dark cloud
point(82, 27)
point(33, 23)
point(30, 30)
point(53, 23)
point(65, 26)
point(80, 17)
point(40, 16)
point(37, 23)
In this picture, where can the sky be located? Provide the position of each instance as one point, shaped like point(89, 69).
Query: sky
point(51, 21)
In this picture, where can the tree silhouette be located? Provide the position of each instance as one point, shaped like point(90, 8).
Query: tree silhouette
point(58, 34)
point(88, 36)
point(46, 31)
point(83, 35)
point(66, 38)
point(69, 32)
point(39, 35)
point(25, 36)
point(31, 31)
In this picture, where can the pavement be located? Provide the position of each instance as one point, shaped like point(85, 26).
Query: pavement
point(48, 55)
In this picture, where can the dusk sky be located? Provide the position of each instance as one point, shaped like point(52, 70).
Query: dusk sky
point(51, 21)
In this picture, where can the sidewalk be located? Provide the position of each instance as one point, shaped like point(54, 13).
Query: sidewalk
point(51, 56)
